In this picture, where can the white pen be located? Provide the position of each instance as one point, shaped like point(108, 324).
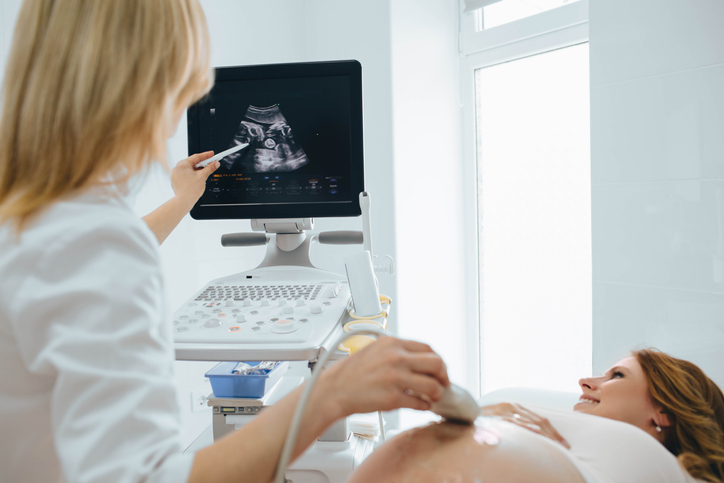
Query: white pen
point(222, 154)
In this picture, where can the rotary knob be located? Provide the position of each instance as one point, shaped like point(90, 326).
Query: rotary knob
point(288, 309)
point(240, 318)
point(284, 327)
point(247, 303)
point(282, 302)
point(265, 302)
point(230, 302)
point(315, 309)
point(301, 303)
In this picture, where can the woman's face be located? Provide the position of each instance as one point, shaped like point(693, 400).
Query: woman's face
point(622, 394)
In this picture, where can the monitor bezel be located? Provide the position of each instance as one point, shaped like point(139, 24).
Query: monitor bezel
point(349, 68)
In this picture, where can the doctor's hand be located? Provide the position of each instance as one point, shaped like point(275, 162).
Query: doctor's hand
point(384, 376)
point(189, 183)
point(517, 414)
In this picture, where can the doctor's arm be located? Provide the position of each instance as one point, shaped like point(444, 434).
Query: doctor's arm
point(188, 185)
point(376, 378)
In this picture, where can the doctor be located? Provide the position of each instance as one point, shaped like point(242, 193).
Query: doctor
point(91, 92)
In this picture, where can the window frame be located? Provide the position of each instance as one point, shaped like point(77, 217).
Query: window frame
point(554, 29)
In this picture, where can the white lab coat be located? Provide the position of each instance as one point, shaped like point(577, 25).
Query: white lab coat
point(86, 353)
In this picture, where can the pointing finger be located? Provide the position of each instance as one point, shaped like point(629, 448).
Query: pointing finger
point(210, 168)
point(198, 157)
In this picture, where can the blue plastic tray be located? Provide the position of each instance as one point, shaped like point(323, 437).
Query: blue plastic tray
point(226, 384)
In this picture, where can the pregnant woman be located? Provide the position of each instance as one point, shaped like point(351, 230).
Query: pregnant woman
point(651, 418)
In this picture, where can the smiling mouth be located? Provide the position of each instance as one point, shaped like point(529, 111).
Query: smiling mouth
point(588, 400)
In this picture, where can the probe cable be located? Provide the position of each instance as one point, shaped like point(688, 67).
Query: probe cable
point(301, 406)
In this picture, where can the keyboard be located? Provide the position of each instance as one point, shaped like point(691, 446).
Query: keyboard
point(275, 313)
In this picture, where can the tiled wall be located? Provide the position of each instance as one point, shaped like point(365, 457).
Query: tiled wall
point(657, 142)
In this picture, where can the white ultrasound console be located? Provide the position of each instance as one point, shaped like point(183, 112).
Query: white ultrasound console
point(271, 313)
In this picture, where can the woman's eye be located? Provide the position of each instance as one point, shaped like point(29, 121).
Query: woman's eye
point(616, 374)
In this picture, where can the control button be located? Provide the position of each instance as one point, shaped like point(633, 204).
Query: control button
point(181, 329)
point(193, 321)
point(199, 312)
point(261, 322)
point(212, 323)
point(216, 311)
point(327, 303)
point(221, 315)
point(303, 321)
point(284, 327)
point(274, 319)
point(192, 304)
point(254, 312)
point(256, 328)
point(235, 328)
point(175, 322)
point(315, 309)
point(184, 317)
point(205, 316)
point(288, 309)
point(235, 311)
point(230, 302)
point(265, 302)
point(301, 303)
point(247, 303)
point(282, 302)
point(241, 318)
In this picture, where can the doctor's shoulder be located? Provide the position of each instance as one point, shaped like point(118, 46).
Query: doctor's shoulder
point(70, 232)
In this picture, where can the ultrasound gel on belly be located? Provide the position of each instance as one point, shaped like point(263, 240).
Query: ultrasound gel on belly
point(484, 434)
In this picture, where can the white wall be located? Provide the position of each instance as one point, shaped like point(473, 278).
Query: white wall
point(657, 97)
point(428, 181)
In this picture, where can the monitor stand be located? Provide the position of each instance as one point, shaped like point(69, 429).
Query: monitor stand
point(291, 244)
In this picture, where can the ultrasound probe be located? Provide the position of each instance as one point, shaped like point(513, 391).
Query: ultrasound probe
point(222, 154)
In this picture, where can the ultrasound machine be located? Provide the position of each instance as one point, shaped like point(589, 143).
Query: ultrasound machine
point(302, 127)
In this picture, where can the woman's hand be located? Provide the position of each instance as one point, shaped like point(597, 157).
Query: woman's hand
point(188, 182)
point(517, 414)
point(384, 376)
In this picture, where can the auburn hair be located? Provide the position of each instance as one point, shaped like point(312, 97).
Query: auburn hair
point(694, 405)
point(89, 93)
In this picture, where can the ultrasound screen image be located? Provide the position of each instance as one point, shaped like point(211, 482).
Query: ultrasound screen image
point(271, 144)
point(299, 135)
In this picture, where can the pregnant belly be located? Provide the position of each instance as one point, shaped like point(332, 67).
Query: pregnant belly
point(445, 452)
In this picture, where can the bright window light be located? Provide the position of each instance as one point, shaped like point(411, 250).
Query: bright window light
point(533, 155)
point(507, 11)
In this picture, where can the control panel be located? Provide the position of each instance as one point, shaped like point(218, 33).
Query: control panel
point(261, 315)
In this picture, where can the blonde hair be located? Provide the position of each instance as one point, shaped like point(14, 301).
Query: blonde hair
point(694, 405)
point(89, 90)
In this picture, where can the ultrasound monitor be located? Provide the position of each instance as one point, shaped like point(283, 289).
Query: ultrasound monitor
point(303, 126)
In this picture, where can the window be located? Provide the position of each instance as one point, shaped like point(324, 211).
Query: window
point(507, 11)
point(530, 152)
